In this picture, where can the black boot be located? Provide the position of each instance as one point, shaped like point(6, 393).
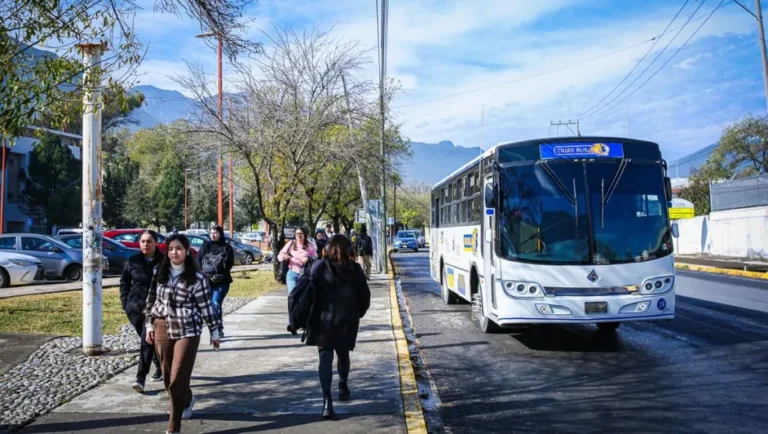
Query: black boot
point(328, 407)
point(344, 392)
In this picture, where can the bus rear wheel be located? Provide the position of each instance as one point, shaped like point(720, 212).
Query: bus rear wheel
point(608, 326)
point(448, 296)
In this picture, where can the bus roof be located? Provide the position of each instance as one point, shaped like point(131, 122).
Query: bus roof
point(572, 139)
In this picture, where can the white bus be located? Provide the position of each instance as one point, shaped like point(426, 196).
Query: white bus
point(560, 230)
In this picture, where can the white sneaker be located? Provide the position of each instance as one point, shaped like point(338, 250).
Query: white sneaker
point(188, 411)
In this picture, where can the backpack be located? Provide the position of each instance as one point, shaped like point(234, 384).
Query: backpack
point(300, 302)
point(363, 245)
point(213, 264)
point(284, 266)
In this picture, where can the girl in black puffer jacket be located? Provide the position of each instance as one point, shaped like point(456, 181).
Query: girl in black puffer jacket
point(134, 288)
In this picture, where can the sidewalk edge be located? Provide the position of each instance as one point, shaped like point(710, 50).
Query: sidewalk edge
point(414, 414)
point(725, 271)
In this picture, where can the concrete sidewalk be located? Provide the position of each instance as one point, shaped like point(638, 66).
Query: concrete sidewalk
point(722, 262)
point(262, 380)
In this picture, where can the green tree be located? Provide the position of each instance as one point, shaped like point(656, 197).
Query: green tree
point(30, 78)
point(169, 196)
point(741, 152)
point(52, 184)
point(119, 174)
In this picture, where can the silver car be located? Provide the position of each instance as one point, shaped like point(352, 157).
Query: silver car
point(58, 259)
point(16, 269)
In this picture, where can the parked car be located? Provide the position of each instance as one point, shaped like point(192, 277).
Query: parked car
point(68, 231)
point(116, 253)
point(17, 269)
point(405, 240)
point(130, 238)
point(196, 242)
point(252, 237)
point(421, 239)
point(59, 260)
point(250, 254)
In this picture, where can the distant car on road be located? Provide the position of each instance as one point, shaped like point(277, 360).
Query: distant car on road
point(59, 260)
point(117, 253)
point(17, 269)
point(405, 240)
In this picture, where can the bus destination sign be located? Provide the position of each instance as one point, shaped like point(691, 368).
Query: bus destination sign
point(552, 151)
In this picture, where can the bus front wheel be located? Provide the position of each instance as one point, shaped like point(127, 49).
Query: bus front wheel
point(486, 324)
point(608, 326)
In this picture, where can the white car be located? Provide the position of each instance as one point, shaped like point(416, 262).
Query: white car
point(17, 269)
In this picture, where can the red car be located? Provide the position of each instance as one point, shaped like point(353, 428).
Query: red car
point(130, 238)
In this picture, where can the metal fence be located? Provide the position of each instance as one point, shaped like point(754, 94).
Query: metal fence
point(739, 193)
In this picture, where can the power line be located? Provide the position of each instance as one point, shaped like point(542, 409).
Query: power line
point(665, 63)
point(658, 56)
point(637, 64)
point(426, 101)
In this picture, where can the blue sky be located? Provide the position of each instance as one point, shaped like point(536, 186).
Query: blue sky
point(440, 48)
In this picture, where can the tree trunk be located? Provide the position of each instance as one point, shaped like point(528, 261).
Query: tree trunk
point(364, 198)
point(277, 243)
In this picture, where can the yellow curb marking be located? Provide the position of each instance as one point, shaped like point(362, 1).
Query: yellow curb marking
point(728, 272)
point(409, 389)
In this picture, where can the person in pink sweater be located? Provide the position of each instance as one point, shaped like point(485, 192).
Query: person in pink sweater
point(297, 252)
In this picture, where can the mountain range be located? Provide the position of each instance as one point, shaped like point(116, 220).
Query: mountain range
point(429, 162)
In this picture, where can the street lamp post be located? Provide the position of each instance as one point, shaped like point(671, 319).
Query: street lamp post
point(219, 166)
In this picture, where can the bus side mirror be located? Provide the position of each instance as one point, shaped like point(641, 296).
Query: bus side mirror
point(668, 187)
point(489, 198)
point(675, 230)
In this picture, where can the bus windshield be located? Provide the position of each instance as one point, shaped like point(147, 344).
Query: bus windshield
point(568, 212)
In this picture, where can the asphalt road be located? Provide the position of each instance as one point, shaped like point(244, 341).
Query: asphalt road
point(704, 372)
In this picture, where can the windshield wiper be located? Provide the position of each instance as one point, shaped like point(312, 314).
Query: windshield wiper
point(558, 183)
point(605, 197)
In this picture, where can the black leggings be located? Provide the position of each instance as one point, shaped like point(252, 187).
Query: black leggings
point(326, 367)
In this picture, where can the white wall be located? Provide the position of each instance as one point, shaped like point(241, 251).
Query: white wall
point(741, 233)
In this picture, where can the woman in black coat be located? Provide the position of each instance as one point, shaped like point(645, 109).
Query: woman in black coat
point(341, 298)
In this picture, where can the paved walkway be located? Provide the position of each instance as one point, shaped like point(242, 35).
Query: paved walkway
point(262, 380)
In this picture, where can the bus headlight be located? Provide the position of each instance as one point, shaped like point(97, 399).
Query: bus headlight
point(657, 285)
point(522, 289)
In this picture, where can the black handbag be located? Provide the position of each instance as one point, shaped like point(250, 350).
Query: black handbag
point(284, 268)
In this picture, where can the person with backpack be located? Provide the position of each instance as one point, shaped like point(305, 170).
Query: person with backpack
point(340, 297)
point(297, 253)
point(216, 259)
point(134, 289)
point(364, 248)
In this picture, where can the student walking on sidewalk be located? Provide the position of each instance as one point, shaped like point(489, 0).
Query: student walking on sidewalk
point(341, 298)
point(134, 289)
point(364, 246)
point(179, 299)
point(216, 259)
point(297, 252)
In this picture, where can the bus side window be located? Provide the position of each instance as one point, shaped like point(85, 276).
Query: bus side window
point(489, 197)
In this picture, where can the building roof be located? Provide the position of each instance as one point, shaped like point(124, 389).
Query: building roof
point(57, 132)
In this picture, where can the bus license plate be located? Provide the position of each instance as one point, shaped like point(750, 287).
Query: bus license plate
point(596, 307)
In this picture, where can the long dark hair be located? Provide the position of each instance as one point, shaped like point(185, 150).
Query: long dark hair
point(220, 230)
point(306, 238)
point(339, 250)
point(190, 268)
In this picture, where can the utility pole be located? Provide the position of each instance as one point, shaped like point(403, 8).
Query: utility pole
point(382, 77)
point(567, 125)
point(482, 129)
point(761, 35)
point(186, 200)
point(92, 217)
point(758, 15)
point(626, 121)
point(231, 181)
point(220, 165)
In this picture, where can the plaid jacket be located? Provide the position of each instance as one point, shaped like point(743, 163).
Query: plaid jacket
point(182, 306)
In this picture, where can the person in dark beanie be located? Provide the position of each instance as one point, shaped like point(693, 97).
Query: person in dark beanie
point(341, 299)
point(134, 289)
point(216, 259)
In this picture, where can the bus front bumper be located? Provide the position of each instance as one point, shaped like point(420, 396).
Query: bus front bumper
point(574, 309)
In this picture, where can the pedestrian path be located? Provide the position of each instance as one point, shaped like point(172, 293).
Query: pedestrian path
point(262, 380)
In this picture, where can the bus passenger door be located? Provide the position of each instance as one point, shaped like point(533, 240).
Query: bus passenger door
point(489, 236)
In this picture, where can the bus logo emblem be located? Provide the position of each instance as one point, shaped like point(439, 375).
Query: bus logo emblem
point(593, 277)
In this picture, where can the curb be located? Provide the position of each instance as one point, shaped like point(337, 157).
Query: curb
point(723, 271)
point(409, 389)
